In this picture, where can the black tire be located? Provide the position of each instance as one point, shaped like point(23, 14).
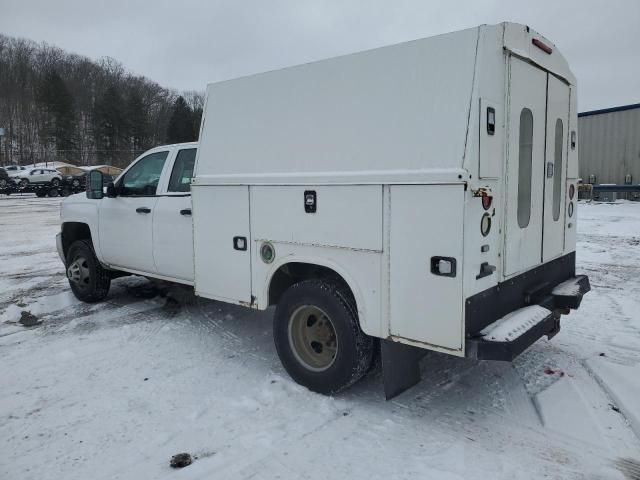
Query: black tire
point(55, 182)
point(3, 182)
point(53, 192)
point(94, 286)
point(75, 183)
point(23, 183)
point(41, 193)
point(354, 349)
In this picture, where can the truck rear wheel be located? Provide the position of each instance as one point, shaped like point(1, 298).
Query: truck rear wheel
point(89, 281)
point(318, 336)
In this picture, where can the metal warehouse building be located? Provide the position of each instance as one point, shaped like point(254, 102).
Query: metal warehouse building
point(609, 145)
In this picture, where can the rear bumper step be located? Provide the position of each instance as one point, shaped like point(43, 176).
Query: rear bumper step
point(509, 336)
point(569, 294)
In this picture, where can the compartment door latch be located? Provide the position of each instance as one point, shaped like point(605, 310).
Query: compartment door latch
point(443, 266)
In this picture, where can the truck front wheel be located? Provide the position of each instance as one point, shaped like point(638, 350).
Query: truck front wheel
point(89, 281)
point(318, 336)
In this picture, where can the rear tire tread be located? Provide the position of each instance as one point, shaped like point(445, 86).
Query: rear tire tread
point(335, 379)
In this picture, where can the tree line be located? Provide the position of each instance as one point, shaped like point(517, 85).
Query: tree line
point(59, 106)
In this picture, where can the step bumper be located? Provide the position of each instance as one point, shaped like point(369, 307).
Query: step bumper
point(569, 293)
point(509, 336)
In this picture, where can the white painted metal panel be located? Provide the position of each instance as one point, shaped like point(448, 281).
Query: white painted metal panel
point(523, 244)
point(173, 237)
point(554, 213)
point(362, 270)
point(426, 222)
point(221, 213)
point(403, 107)
point(126, 236)
point(347, 216)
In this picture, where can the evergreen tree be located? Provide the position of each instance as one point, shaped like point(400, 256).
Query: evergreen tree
point(180, 128)
point(110, 125)
point(137, 123)
point(197, 119)
point(60, 117)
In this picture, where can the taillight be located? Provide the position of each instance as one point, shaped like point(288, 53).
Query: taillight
point(572, 191)
point(486, 202)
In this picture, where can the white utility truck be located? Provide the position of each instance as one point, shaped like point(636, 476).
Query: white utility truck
point(415, 197)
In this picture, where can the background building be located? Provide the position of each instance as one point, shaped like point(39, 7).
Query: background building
point(609, 145)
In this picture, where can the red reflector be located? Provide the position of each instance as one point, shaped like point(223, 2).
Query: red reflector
point(486, 202)
point(542, 46)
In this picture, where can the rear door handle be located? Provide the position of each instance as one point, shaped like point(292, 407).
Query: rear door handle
point(186, 211)
point(143, 210)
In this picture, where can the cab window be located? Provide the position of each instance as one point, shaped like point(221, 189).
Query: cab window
point(143, 177)
point(182, 172)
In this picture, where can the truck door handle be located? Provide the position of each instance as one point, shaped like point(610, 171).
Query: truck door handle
point(143, 210)
point(185, 211)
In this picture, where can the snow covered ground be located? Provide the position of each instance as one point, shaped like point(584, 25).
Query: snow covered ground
point(113, 390)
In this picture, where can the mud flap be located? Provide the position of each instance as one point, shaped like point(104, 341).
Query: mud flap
point(400, 367)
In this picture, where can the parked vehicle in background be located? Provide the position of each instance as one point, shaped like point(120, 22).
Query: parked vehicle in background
point(4, 178)
point(414, 197)
point(37, 176)
point(79, 180)
point(14, 170)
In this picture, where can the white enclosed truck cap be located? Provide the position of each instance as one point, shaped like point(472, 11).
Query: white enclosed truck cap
point(415, 197)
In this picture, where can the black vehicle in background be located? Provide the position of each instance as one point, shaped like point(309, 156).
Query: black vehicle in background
point(79, 181)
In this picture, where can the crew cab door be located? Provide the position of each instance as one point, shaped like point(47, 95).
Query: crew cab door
point(172, 224)
point(126, 221)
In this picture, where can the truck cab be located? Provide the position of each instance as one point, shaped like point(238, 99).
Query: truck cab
point(140, 223)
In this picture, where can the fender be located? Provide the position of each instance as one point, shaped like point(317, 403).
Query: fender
point(322, 262)
point(77, 208)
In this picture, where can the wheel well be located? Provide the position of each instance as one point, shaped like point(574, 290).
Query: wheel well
point(72, 231)
point(294, 272)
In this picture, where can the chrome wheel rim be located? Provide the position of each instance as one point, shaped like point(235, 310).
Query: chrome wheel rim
point(79, 273)
point(312, 338)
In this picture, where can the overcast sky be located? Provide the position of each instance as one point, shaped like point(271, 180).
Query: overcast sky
point(186, 44)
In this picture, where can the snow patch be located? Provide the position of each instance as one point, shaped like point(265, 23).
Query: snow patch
point(514, 324)
point(567, 288)
point(11, 314)
point(620, 382)
point(563, 409)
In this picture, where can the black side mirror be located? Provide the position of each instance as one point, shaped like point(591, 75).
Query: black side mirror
point(94, 185)
point(111, 190)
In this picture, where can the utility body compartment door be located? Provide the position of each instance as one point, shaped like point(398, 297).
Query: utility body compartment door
point(222, 243)
point(426, 222)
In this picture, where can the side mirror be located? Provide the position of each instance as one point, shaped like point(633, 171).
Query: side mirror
point(111, 190)
point(94, 185)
